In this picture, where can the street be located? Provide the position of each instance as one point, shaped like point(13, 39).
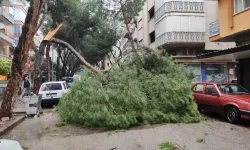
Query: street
point(43, 134)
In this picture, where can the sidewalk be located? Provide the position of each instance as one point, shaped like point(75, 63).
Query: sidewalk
point(19, 106)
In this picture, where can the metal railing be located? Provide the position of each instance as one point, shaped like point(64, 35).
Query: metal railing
point(6, 38)
point(6, 15)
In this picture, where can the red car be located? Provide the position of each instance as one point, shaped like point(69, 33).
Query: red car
point(228, 99)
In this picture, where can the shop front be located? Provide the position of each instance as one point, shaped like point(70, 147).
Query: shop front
point(211, 72)
point(240, 54)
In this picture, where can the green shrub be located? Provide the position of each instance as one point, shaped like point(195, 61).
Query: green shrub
point(147, 89)
point(5, 66)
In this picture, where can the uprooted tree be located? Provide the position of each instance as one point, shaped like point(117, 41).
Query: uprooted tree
point(153, 90)
point(20, 58)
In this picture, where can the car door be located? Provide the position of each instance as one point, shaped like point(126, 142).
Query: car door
point(198, 91)
point(211, 99)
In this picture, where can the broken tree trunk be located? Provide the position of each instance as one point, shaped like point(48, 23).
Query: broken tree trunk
point(84, 62)
point(20, 58)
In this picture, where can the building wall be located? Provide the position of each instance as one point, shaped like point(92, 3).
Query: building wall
point(211, 12)
point(229, 22)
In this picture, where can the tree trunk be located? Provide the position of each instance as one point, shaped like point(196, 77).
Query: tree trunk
point(38, 61)
point(130, 38)
point(59, 52)
point(20, 58)
point(48, 59)
point(84, 62)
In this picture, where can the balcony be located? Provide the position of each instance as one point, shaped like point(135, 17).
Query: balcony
point(178, 6)
point(8, 2)
point(214, 29)
point(7, 39)
point(6, 17)
point(181, 37)
point(185, 29)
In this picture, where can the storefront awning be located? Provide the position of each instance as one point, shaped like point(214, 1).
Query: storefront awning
point(239, 52)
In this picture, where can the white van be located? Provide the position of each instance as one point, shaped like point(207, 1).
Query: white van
point(52, 91)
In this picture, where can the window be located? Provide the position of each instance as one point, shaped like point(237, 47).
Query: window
point(17, 29)
point(51, 87)
point(151, 13)
point(210, 90)
point(152, 37)
point(240, 5)
point(232, 89)
point(198, 88)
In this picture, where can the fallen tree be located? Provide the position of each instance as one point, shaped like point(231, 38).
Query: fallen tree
point(152, 90)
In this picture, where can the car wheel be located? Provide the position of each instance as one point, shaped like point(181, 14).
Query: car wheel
point(232, 115)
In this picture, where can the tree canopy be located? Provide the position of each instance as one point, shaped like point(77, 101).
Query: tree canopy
point(88, 27)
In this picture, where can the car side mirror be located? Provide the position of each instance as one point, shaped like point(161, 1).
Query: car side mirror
point(215, 94)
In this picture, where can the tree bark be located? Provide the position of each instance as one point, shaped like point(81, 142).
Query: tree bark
point(48, 59)
point(84, 62)
point(59, 52)
point(37, 70)
point(126, 21)
point(20, 58)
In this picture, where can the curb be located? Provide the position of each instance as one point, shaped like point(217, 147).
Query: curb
point(11, 125)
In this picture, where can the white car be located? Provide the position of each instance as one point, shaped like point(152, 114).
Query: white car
point(10, 145)
point(52, 91)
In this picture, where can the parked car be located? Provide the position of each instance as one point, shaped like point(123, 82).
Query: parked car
point(69, 80)
point(234, 81)
point(228, 99)
point(10, 145)
point(52, 91)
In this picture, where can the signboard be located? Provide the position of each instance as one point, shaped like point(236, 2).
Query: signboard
point(214, 28)
point(3, 77)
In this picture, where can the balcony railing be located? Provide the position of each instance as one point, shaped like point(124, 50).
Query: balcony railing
point(180, 37)
point(7, 16)
point(214, 28)
point(5, 57)
point(6, 38)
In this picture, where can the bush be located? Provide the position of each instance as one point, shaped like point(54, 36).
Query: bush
point(4, 66)
point(149, 89)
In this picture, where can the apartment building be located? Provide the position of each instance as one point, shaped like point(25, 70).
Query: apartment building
point(233, 25)
point(180, 27)
point(12, 18)
point(6, 29)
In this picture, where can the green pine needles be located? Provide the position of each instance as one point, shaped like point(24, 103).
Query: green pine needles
point(149, 89)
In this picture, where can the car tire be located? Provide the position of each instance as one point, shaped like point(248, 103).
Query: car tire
point(232, 115)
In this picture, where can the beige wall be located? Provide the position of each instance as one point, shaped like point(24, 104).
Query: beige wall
point(145, 26)
point(211, 12)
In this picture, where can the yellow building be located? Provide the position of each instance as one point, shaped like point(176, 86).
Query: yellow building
point(233, 23)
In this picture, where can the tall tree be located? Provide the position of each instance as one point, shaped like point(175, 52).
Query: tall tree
point(90, 29)
point(20, 57)
point(127, 10)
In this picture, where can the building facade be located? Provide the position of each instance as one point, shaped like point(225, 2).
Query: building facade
point(7, 43)
point(233, 25)
point(180, 27)
point(12, 18)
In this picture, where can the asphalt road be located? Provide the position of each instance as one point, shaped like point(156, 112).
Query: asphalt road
point(215, 134)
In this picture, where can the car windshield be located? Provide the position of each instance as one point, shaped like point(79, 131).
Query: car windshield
point(51, 87)
point(232, 89)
